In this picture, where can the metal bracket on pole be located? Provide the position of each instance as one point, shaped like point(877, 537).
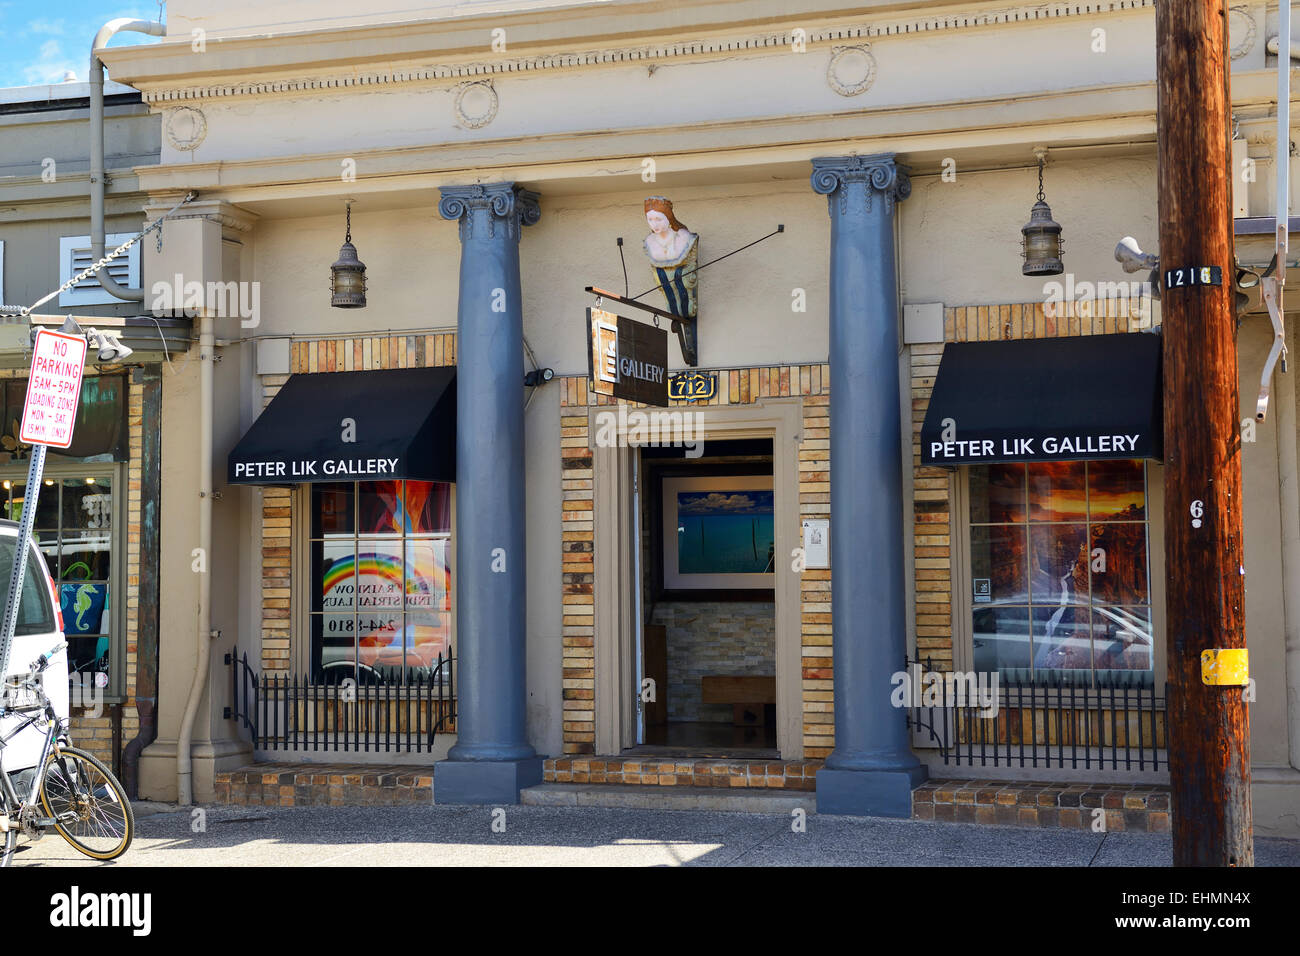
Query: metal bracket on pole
point(1272, 290)
point(1272, 287)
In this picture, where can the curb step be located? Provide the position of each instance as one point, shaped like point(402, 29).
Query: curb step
point(635, 797)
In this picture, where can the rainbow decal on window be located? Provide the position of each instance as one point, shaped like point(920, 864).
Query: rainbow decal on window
point(367, 564)
point(386, 567)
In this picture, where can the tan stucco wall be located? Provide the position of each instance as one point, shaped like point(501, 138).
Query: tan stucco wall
point(959, 243)
point(960, 240)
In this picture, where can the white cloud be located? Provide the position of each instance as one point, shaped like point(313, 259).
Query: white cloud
point(52, 27)
point(50, 66)
point(714, 502)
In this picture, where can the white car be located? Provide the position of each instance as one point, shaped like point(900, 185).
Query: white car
point(39, 628)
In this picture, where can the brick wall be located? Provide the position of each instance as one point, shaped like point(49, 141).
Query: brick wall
point(95, 733)
point(735, 387)
point(714, 637)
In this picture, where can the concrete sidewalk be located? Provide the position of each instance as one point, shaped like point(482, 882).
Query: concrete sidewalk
point(595, 836)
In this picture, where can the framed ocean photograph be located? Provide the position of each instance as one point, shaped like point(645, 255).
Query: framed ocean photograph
point(719, 533)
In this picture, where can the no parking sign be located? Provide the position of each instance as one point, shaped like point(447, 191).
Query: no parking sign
point(53, 389)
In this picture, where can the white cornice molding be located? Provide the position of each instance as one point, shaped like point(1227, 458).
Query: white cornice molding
point(228, 215)
point(1122, 114)
point(902, 26)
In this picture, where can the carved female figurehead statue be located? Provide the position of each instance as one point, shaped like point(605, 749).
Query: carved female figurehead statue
point(671, 249)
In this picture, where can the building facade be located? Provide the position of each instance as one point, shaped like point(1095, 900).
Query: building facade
point(623, 592)
point(97, 513)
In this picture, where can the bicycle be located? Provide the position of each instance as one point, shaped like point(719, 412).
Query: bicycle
point(71, 791)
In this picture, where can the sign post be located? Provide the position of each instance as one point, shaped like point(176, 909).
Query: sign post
point(53, 391)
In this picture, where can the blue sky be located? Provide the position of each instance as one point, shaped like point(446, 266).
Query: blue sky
point(42, 40)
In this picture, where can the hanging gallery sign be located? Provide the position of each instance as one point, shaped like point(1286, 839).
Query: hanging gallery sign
point(627, 359)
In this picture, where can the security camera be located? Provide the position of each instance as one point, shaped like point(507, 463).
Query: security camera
point(109, 345)
point(1133, 259)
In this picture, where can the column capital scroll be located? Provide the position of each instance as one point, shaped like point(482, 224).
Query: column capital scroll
point(491, 204)
point(879, 172)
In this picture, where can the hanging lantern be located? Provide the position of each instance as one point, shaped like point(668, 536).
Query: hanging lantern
point(348, 275)
point(1041, 245)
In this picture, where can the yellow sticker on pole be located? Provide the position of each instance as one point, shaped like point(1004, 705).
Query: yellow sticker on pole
point(1227, 667)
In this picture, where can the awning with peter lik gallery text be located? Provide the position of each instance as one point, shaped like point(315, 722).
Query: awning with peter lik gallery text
point(353, 426)
point(1055, 399)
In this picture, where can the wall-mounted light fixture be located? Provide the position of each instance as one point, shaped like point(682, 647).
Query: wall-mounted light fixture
point(538, 376)
point(348, 274)
point(1041, 245)
point(1130, 255)
point(108, 347)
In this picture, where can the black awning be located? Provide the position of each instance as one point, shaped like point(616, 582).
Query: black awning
point(1057, 399)
point(353, 426)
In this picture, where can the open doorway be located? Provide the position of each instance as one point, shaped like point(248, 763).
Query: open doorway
point(708, 616)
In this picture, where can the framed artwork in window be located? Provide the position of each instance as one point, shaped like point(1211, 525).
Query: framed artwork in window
point(718, 533)
point(1060, 573)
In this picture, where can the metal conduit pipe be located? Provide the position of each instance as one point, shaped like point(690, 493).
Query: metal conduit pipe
point(106, 33)
point(1288, 468)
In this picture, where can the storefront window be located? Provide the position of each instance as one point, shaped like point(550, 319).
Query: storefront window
point(98, 435)
point(1059, 566)
point(381, 573)
point(74, 530)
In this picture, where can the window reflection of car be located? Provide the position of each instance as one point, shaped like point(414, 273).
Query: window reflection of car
point(383, 652)
point(1069, 644)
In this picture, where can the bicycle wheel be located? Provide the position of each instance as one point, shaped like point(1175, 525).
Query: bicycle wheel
point(89, 806)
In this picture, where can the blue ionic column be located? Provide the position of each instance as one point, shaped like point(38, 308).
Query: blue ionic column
point(492, 759)
point(872, 770)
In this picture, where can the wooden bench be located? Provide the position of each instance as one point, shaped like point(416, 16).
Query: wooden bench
point(747, 695)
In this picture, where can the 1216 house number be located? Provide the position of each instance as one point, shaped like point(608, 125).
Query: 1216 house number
point(1193, 275)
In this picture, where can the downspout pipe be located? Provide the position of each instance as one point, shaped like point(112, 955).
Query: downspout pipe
point(203, 630)
point(106, 33)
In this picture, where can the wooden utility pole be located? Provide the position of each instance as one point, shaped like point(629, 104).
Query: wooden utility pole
point(1209, 728)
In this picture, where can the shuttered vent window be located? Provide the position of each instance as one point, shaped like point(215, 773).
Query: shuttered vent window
point(74, 256)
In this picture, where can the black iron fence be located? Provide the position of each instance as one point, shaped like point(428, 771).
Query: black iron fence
point(293, 712)
point(1021, 723)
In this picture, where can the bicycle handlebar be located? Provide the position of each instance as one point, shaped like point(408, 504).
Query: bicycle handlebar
point(38, 666)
